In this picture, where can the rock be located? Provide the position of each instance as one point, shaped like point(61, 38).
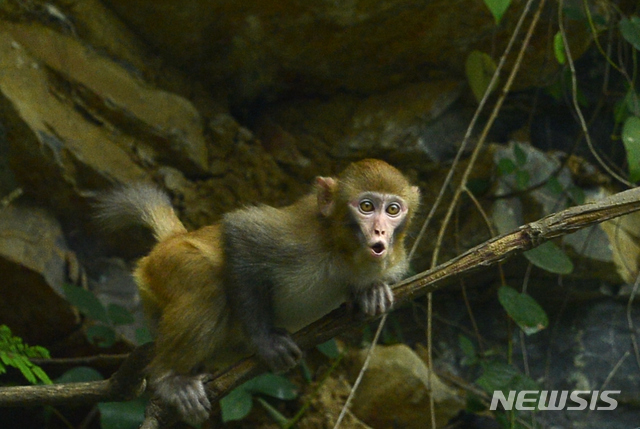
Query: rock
point(34, 262)
point(608, 251)
point(394, 391)
point(411, 125)
point(262, 49)
point(591, 349)
point(88, 134)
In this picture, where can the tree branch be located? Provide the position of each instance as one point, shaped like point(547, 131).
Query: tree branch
point(128, 381)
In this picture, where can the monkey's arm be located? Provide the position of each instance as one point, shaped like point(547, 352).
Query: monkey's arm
point(249, 288)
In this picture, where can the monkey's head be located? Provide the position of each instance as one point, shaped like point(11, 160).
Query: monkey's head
point(375, 201)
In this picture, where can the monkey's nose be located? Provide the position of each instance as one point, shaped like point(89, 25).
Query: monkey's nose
point(379, 231)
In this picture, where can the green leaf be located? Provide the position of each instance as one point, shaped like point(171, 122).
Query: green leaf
point(119, 315)
point(80, 374)
point(272, 385)
point(523, 309)
point(558, 48)
point(86, 302)
point(550, 257)
point(630, 30)
point(23, 364)
point(631, 140)
point(122, 415)
point(470, 356)
point(496, 376)
point(506, 166)
point(479, 68)
point(101, 335)
point(42, 376)
point(37, 352)
point(554, 185)
point(576, 194)
point(497, 8)
point(143, 336)
point(329, 349)
point(236, 405)
point(522, 179)
point(520, 155)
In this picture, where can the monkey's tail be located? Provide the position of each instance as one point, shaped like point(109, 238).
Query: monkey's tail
point(139, 204)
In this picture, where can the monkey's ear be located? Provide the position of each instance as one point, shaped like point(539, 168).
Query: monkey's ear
point(325, 188)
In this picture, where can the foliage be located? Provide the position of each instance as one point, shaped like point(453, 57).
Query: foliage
point(550, 258)
point(239, 402)
point(479, 69)
point(516, 166)
point(113, 415)
point(102, 333)
point(495, 376)
point(631, 140)
point(14, 353)
point(523, 309)
point(497, 8)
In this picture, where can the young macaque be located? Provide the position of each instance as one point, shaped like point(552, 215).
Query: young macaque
point(241, 286)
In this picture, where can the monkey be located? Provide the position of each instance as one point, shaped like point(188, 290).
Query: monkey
point(244, 284)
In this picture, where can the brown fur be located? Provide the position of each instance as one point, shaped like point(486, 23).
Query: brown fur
point(306, 258)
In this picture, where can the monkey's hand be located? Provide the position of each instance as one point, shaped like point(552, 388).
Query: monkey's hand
point(187, 394)
point(374, 300)
point(278, 350)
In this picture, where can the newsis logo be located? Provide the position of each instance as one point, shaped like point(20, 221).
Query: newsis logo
point(526, 400)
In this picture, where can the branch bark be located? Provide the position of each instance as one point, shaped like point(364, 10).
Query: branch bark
point(129, 381)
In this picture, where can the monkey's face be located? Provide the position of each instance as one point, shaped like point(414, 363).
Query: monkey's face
point(378, 217)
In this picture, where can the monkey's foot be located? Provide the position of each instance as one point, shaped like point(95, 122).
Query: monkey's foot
point(278, 350)
point(376, 300)
point(187, 394)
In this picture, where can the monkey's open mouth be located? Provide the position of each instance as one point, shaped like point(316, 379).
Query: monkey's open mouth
point(378, 248)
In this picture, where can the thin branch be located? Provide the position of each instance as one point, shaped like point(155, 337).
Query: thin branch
point(126, 383)
point(129, 382)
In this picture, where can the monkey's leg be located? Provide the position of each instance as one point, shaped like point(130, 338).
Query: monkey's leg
point(192, 330)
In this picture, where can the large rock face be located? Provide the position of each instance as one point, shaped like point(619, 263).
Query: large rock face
point(256, 48)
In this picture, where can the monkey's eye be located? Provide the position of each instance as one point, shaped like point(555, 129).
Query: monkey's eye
point(366, 206)
point(393, 209)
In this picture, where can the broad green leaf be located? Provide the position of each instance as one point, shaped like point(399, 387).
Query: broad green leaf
point(558, 48)
point(520, 155)
point(122, 415)
point(101, 335)
point(631, 140)
point(496, 376)
point(550, 258)
point(506, 166)
point(576, 194)
point(80, 374)
point(236, 405)
point(479, 68)
point(329, 349)
point(523, 309)
point(632, 101)
point(630, 30)
point(119, 315)
point(86, 302)
point(554, 185)
point(497, 8)
point(272, 385)
point(467, 347)
point(143, 336)
point(522, 179)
